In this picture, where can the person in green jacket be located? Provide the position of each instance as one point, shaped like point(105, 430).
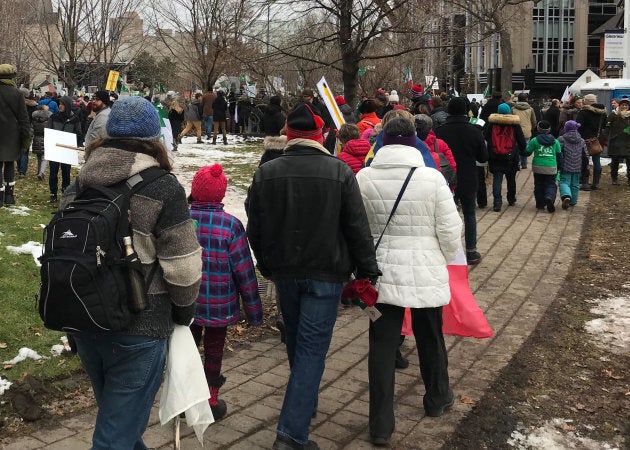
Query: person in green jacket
point(547, 157)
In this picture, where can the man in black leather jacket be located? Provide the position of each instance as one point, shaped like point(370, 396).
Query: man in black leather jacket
point(309, 231)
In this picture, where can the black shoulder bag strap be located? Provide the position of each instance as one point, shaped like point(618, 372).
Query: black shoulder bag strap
point(400, 194)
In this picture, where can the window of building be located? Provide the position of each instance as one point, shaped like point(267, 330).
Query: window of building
point(553, 45)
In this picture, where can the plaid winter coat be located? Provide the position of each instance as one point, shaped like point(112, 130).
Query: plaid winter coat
point(227, 269)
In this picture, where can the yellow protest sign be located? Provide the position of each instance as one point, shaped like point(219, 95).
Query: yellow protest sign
point(112, 80)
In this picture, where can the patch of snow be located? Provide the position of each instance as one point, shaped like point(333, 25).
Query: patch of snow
point(4, 385)
point(555, 434)
point(24, 353)
point(19, 210)
point(30, 248)
point(612, 330)
point(623, 169)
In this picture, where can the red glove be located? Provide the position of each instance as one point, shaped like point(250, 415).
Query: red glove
point(362, 289)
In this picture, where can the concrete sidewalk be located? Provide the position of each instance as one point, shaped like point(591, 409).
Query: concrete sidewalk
point(526, 257)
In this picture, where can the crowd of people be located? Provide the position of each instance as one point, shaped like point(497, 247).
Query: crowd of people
point(375, 201)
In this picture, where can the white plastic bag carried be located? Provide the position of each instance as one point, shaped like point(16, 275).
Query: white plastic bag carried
point(185, 388)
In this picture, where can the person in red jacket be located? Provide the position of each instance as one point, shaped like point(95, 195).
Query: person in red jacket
point(353, 149)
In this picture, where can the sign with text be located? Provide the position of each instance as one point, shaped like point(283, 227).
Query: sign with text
point(329, 100)
point(613, 47)
point(112, 80)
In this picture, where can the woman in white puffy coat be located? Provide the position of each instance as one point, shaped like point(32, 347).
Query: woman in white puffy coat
point(422, 237)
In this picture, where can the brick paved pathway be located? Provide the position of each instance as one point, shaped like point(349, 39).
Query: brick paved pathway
point(526, 256)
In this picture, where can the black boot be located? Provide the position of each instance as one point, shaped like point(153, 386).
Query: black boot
point(224, 140)
point(9, 199)
point(218, 407)
point(214, 141)
point(2, 199)
point(597, 174)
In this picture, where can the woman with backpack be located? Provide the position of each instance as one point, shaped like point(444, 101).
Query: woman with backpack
point(68, 119)
point(126, 366)
point(506, 143)
point(440, 150)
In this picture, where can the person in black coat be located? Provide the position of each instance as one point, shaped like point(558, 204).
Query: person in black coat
point(552, 115)
point(491, 106)
point(468, 146)
point(219, 118)
point(273, 119)
point(592, 118)
point(68, 119)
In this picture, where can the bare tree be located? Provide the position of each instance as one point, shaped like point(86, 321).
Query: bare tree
point(494, 17)
point(200, 34)
point(13, 20)
point(352, 32)
point(82, 39)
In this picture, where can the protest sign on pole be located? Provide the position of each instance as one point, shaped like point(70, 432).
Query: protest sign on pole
point(59, 145)
point(329, 100)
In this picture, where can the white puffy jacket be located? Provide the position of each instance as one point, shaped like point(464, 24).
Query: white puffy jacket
point(423, 235)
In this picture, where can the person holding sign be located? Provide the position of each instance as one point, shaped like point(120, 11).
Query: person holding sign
point(68, 119)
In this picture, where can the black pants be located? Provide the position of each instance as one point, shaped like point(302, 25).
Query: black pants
point(384, 340)
point(482, 192)
point(53, 176)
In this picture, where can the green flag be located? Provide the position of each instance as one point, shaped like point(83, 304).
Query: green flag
point(123, 88)
point(486, 93)
point(161, 90)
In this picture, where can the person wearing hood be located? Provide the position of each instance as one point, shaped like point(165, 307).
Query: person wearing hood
point(40, 121)
point(592, 118)
point(504, 156)
point(68, 119)
point(273, 118)
point(527, 121)
point(353, 148)
point(16, 131)
point(547, 158)
point(573, 153)
point(618, 125)
point(413, 254)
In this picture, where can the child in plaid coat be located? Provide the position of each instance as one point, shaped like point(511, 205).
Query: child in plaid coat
point(227, 273)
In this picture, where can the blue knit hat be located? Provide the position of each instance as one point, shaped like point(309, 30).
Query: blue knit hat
point(504, 108)
point(133, 117)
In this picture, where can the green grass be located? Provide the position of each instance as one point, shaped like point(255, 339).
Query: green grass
point(20, 324)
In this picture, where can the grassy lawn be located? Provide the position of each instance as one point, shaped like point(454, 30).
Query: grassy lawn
point(20, 324)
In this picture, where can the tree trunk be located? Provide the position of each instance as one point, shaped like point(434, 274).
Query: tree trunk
point(506, 60)
point(350, 79)
point(350, 59)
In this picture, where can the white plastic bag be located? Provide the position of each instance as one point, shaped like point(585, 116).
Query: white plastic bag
point(185, 388)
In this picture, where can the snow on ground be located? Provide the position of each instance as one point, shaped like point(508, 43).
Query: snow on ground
point(556, 434)
point(30, 248)
point(191, 156)
point(19, 210)
point(612, 330)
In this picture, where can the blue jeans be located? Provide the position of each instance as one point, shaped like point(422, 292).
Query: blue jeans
point(23, 163)
point(497, 184)
point(470, 222)
point(207, 123)
point(570, 186)
point(126, 373)
point(309, 308)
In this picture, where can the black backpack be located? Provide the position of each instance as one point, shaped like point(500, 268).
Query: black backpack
point(445, 166)
point(85, 273)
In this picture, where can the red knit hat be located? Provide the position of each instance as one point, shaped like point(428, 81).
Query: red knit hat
point(340, 100)
point(303, 123)
point(209, 184)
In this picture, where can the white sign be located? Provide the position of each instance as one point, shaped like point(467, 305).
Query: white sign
point(329, 100)
point(53, 151)
point(613, 46)
point(432, 81)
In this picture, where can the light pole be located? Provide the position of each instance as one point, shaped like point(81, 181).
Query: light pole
point(626, 39)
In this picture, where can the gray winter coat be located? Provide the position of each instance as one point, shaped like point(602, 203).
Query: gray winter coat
point(193, 112)
point(14, 123)
point(40, 120)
